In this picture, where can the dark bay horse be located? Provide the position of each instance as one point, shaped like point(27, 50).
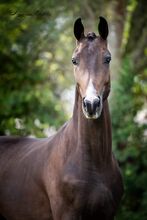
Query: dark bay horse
point(73, 175)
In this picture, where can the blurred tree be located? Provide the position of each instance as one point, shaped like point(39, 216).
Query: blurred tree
point(32, 69)
point(129, 133)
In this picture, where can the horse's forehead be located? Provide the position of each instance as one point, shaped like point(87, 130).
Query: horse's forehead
point(91, 46)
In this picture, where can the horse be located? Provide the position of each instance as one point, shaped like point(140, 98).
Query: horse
point(72, 175)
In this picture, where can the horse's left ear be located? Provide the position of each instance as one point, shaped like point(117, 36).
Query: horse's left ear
point(103, 28)
point(78, 29)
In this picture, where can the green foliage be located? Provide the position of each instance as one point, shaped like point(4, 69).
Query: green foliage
point(32, 70)
point(129, 140)
point(128, 102)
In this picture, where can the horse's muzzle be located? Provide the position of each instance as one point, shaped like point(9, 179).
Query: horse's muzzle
point(92, 108)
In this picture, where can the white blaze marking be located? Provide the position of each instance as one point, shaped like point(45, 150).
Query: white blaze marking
point(91, 95)
point(91, 92)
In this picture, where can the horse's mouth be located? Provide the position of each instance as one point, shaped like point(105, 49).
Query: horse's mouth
point(92, 114)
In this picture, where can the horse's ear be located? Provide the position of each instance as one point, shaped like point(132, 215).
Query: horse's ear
point(103, 28)
point(78, 29)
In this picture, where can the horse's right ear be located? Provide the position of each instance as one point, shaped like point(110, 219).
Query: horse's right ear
point(78, 29)
point(103, 28)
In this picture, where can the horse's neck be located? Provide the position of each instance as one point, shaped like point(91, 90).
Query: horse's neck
point(93, 137)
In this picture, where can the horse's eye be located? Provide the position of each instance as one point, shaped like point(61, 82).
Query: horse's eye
point(107, 59)
point(75, 61)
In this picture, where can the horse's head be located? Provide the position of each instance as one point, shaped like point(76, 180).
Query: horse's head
point(91, 67)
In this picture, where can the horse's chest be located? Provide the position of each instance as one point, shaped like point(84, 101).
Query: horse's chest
point(90, 191)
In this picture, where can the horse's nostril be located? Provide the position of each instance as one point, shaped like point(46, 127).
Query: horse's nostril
point(88, 107)
point(96, 102)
